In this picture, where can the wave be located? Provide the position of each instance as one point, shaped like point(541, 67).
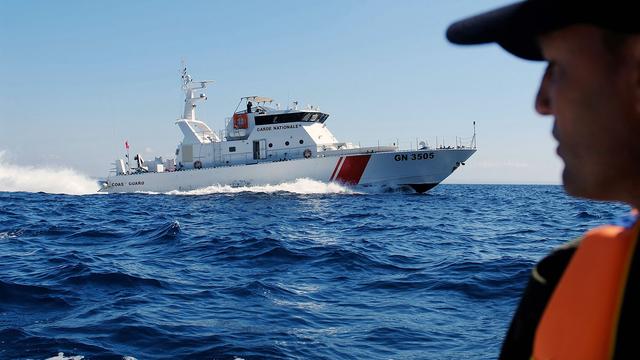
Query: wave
point(114, 280)
point(168, 231)
point(17, 343)
point(61, 356)
point(31, 296)
point(302, 186)
point(43, 179)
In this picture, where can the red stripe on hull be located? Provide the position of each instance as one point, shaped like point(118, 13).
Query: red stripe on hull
point(336, 168)
point(352, 169)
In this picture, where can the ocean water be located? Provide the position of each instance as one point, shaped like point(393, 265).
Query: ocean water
point(303, 270)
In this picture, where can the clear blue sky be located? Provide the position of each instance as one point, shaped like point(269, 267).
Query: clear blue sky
point(80, 77)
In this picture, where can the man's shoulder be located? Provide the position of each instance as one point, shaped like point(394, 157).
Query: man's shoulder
point(545, 276)
point(549, 270)
point(518, 343)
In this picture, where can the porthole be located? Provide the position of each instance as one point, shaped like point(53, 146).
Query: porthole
point(301, 142)
point(270, 145)
point(286, 143)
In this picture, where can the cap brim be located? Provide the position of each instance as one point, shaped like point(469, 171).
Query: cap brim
point(515, 27)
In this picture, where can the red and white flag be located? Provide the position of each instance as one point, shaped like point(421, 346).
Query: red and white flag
point(126, 144)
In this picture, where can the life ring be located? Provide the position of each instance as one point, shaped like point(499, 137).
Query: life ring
point(307, 153)
point(240, 121)
point(197, 164)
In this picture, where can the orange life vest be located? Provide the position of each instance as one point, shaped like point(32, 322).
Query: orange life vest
point(581, 318)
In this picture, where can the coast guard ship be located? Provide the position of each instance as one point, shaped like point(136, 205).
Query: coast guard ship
point(263, 145)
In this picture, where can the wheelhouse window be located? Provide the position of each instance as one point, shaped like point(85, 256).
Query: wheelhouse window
point(291, 117)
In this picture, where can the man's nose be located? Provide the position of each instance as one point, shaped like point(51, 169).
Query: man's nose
point(543, 98)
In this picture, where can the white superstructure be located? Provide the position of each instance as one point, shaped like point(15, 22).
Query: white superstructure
point(262, 144)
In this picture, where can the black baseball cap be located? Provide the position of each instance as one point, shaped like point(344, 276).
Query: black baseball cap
point(516, 27)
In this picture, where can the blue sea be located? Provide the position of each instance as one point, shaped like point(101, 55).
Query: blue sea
point(297, 271)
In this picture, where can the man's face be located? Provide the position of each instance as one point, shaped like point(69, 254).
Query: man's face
point(592, 92)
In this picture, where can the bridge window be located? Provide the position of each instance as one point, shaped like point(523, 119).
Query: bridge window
point(290, 117)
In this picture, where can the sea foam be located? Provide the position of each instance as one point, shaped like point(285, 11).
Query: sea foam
point(43, 179)
point(300, 186)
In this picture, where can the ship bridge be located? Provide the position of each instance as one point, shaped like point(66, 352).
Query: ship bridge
point(255, 113)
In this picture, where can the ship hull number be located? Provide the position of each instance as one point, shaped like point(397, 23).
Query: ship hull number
point(413, 156)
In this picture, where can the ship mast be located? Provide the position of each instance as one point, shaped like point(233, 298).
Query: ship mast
point(190, 88)
point(194, 130)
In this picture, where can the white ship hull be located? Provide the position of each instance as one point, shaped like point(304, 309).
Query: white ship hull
point(421, 169)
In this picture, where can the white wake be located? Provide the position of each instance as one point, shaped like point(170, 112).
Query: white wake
point(50, 180)
point(299, 186)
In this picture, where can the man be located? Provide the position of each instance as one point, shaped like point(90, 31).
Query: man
point(581, 301)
